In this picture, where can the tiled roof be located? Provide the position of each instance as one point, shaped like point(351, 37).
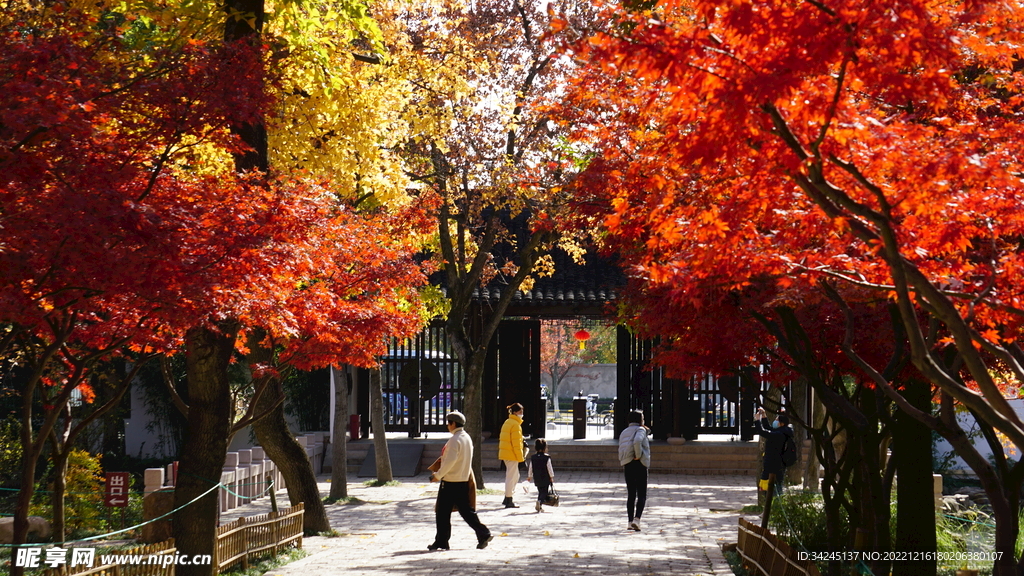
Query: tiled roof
point(586, 288)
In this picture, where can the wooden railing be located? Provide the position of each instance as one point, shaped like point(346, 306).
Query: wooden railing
point(255, 536)
point(149, 553)
point(769, 556)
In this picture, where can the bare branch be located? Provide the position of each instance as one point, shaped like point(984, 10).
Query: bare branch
point(168, 378)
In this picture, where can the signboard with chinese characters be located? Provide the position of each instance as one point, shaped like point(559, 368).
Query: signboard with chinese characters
point(116, 494)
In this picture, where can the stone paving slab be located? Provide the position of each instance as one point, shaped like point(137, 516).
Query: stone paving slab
point(687, 519)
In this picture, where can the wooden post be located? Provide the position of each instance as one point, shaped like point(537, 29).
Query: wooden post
point(216, 554)
point(273, 493)
point(768, 501)
point(275, 530)
point(245, 542)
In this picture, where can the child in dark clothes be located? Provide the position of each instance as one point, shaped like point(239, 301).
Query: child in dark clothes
point(538, 470)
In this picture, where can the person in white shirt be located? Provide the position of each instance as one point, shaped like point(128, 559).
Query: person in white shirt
point(453, 474)
point(635, 457)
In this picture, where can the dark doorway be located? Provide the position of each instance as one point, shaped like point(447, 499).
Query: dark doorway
point(516, 369)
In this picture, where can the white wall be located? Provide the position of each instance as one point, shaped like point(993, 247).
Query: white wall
point(969, 425)
point(140, 442)
point(591, 378)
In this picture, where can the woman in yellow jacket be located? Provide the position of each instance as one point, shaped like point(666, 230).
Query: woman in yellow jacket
point(510, 450)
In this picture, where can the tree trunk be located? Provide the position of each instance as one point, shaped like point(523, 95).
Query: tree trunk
point(833, 526)
point(279, 443)
point(801, 408)
point(1004, 513)
point(60, 454)
point(811, 462)
point(380, 441)
point(30, 456)
point(208, 353)
point(473, 407)
point(339, 442)
point(291, 459)
point(555, 381)
point(60, 471)
point(915, 505)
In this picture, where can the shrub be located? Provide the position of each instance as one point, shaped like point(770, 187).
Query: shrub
point(10, 452)
point(83, 496)
point(798, 517)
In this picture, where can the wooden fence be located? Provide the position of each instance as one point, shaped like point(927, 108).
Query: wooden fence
point(237, 542)
point(769, 556)
point(255, 536)
point(151, 563)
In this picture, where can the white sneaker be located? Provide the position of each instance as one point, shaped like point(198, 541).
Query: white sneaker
point(538, 507)
point(635, 525)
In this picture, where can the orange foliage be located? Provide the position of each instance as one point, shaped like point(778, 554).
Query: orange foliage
point(809, 141)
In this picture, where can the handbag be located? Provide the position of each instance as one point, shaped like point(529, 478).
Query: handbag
point(552, 499)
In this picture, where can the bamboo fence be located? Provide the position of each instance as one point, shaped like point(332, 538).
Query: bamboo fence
point(769, 556)
point(256, 536)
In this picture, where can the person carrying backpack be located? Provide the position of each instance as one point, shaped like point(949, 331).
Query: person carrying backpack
point(779, 447)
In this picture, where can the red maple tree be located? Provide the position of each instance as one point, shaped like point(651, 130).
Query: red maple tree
point(871, 144)
point(119, 235)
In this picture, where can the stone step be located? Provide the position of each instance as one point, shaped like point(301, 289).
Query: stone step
point(740, 458)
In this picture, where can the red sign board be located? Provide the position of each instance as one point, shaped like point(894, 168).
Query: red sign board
point(117, 489)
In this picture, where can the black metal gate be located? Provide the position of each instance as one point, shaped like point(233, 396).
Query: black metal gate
point(421, 381)
point(641, 386)
point(718, 410)
point(687, 408)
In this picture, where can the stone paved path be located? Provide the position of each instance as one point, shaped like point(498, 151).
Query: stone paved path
point(687, 520)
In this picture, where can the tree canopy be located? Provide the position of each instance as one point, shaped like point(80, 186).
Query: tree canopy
point(864, 144)
point(126, 226)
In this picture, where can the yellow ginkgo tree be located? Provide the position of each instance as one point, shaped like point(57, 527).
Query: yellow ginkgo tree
point(478, 137)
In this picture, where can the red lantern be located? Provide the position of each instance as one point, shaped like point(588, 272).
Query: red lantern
point(582, 336)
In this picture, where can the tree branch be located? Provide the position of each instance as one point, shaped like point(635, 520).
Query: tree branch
point(168, 378)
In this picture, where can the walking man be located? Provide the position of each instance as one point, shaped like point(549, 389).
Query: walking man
point(453, 474)
point(635, 457)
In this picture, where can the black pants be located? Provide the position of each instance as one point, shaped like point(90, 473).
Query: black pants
point(542, 492)
point(636, 488)
point(455, 494)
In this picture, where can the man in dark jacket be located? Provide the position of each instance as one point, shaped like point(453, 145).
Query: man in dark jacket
point(776, 435)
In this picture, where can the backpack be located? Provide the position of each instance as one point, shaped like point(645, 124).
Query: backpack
point(789, 452)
